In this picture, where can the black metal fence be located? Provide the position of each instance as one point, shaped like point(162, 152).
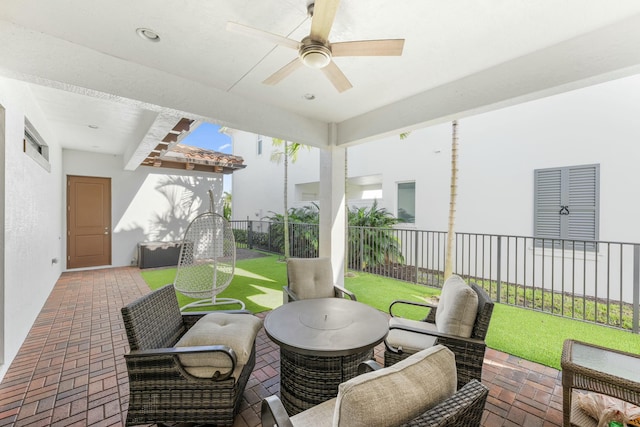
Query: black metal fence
point(596, 282)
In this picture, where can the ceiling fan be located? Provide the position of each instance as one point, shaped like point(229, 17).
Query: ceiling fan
point(315, 50)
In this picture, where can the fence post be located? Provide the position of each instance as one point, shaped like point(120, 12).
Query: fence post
point(499, 272)
point(636, 288)
point(250, 234)
point(361, 249)
point(415, 256)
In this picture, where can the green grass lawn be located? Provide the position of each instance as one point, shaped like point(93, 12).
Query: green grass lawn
point(257, 282)
point(528, 334)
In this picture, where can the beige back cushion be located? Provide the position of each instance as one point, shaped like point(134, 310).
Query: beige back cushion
point(457, 308)
point(310, 277)
point(399, 393)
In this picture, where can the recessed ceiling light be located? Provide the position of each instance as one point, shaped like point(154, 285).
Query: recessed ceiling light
point(93, 126)
point(309, 96)
point(148, 34)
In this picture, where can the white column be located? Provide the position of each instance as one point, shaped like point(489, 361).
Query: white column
point(332, 213)
point(218, 199)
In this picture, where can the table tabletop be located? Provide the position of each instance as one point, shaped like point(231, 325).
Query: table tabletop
point(326, 326)
point(598, 369)
point(610, 362)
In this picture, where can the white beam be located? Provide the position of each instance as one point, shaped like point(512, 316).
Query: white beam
point(604, 54)
point(162, 124)
point(36, 58)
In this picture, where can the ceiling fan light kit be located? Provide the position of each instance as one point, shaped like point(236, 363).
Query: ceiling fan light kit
point(314, 55)
point(314, 51)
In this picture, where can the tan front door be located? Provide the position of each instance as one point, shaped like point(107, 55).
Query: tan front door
point(88, 221)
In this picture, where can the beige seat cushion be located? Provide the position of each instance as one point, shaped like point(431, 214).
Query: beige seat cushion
point(457, 308)
point(409, 341)
point(399, 393)
point(310, 277)
point(237, 331)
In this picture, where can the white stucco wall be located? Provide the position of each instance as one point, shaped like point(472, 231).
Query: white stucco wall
point(259, 186)
point(33, 217)
point(148, 204)
point(497, 156)
point(593, 125)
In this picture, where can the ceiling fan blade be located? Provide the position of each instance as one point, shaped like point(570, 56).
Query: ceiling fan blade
point(262, 35)
point(387, 47)
point(324, 12)
point(283, 72)
point(337, 77)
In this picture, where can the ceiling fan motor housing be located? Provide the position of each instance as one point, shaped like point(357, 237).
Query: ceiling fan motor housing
point(314, 54)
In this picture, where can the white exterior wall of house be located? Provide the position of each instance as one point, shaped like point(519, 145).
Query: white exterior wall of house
point(32, 206)
point(498, 154)
point(148, 204)
point(260, 186)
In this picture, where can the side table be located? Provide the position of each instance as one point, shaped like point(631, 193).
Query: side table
point(602, 370)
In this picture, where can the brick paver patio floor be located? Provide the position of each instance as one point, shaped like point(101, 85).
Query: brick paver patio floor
point(70, 371)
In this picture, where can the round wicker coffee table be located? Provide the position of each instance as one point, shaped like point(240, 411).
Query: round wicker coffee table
point(322, 341)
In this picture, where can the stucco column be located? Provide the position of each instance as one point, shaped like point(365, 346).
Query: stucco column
point(332, 214)
point(218, 199)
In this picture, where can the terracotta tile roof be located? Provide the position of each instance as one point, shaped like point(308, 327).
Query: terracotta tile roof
point(171, 154)
point(200, 159)
point(201, 155)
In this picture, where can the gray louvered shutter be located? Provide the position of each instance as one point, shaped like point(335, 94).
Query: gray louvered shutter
point(548, 198)
point(577, 188)
point(583, 202)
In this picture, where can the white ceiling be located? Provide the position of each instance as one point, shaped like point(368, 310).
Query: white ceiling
point(88, 66)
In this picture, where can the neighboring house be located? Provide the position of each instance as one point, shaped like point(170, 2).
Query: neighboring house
point(505, 157)
point(147, 204)
point(562, 167)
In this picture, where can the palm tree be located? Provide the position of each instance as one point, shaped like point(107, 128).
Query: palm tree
point(448, 266)
point(226, 207)
point(372, 238)
point(290, 151)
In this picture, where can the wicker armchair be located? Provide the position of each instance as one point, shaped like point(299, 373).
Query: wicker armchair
point(311, 278)
point(166, 382)
point(406, 337)
point(379, 396)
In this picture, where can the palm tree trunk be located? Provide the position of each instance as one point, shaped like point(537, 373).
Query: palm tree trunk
point(346, 213)
point(448, 266)
point(287, 254)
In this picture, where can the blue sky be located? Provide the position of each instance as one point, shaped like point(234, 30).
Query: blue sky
point(207, 136)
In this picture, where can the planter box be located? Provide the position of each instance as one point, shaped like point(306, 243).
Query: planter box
point(158, 254)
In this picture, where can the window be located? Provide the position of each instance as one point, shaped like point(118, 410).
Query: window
point(34, 146)
point(567, 203)
point(407, 202)
point(259, 145)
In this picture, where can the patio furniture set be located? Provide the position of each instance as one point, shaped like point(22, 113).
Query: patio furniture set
point(193, 367)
